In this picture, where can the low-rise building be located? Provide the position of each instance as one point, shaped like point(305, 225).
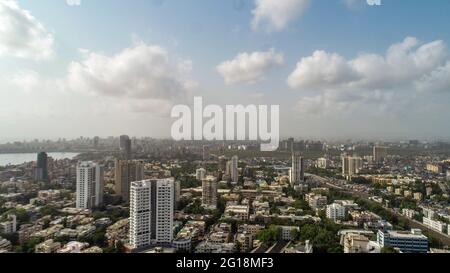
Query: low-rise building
point(316, 201)
point(434, 224)
point(5, 245)
point(26, 231)
point(251, 229)
point(244, 242)
point(287, 232)
point(238, 212)
point(408, 242)
point(73, 247)
point(48, 246)
point(9, 226)
point(410, 213)
point(357, 243)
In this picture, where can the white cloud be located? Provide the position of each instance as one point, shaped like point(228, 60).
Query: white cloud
point(73, 2)
point(321, 70)
point(139, 72)
point(403, 64)
point(438, 80)
point(21, 34)
point(275, 15)
point(249, 67)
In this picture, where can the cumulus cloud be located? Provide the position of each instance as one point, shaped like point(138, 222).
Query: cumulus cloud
point(21, 34)
point(275, 15)
point(403, 63)
point(399, 80)
point(249, 67)
point(438, 80)
point(139, 72)
point(322, 69)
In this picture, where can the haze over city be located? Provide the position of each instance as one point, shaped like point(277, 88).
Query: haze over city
point(338, 69)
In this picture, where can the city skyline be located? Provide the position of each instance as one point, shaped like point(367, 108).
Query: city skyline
point(67, 70)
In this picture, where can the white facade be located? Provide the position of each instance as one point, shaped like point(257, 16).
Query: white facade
point(335, 212)
point(200, 174)
point(323, 163)
point(89, 185)
point(297, 170)
point(10, 226)
point(410, 213)
point(434, 225)
point(151, 213)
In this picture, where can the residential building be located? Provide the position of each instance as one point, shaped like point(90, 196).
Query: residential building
point(234, 172)
point(48, 246)
point(323, 163)
point(351, 165)
point(209, 192)
point(127, 171)
point(89, 185)
point(316, 201)
point(42, 166)
point(358, 243)
point(335, 212)
point(287, 232)
point(298, 169)
point(238, 212)
point(200, 174)
point(379, 154)
point(244, 241)
point(434, 224)
point(9, 226)
point(151, 213)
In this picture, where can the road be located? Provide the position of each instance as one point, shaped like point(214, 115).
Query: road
point(443, 238)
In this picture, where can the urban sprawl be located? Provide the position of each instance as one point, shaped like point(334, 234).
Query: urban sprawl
point(142, 195)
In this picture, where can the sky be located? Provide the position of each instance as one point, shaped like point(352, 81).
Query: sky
point(339, 69)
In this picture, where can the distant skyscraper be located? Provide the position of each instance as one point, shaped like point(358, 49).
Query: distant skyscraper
point(42, 160)
point(209, 192)
point(89, 185)
point(234, 172)
point(125, 146)
point(351, 165)
point(127, 171)
point(298, 169)
point(379, 154)
point(96, 141)
point(122, 141)
point(151, 212)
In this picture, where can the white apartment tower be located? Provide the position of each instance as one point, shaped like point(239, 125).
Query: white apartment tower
point(335, 212)
point(298, 169)
point(89, 185)
point(151, 212)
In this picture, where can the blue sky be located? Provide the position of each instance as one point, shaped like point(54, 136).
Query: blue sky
point(200, 35)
